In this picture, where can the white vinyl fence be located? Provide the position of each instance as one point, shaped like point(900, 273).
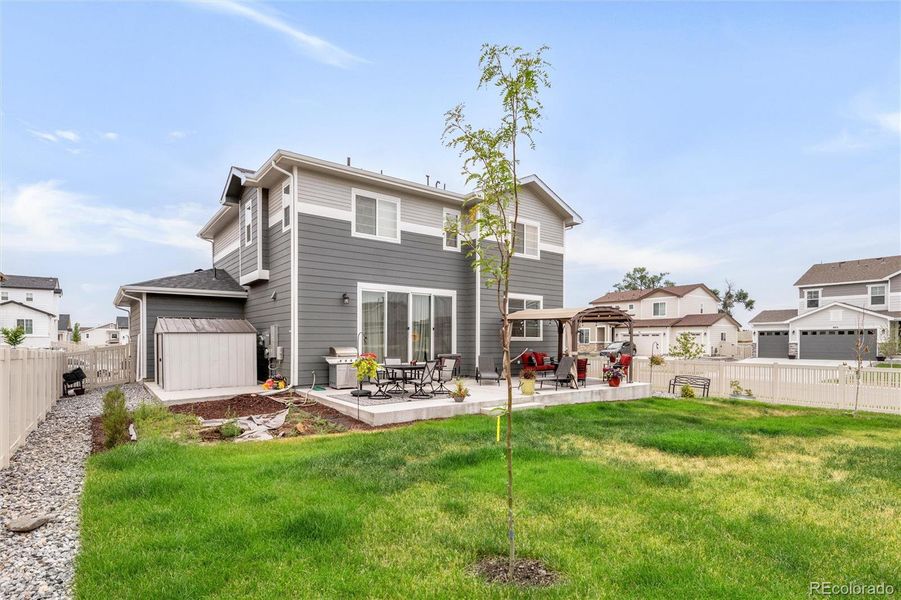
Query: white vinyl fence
point(803, 385)
point(104, 365)
point(30, 383)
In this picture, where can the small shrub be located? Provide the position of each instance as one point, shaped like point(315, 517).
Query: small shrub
point(230, 429)
point(114, 418)
point(687, 391)
point(13, 336)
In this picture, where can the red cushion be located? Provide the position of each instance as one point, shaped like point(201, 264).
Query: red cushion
point(539, 359)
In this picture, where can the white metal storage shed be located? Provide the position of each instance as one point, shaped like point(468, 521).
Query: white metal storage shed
point(196, 354)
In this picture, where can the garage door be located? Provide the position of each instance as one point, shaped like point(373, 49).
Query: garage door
point(772, 344)
point(644, 344)
point(836, 344)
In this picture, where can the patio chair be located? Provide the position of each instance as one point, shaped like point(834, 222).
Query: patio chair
point(396, 378)
point(487, 370)
point(425, 380)
point(563, 374)
point(381, 381)
point(444, 375)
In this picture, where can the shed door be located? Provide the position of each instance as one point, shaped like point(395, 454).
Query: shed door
point(836, 344)
point(772, 344)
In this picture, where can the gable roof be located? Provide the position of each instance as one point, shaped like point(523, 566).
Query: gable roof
point(22, 304)
point(695, 320)
point(850, 271)
point(30, 282)
point(65, 322)
point(774, 316)
point(674, 290)
point(202, 282)
point(851, 307)
point(573, 218)
point(109, 325)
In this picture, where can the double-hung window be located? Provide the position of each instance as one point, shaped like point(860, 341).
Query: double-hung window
point(376, 216)
point(877, 295)
point(26, 324)
point(524, 330)
point(4, 296)
point(248, 223)
point(286, 206)
point(29, 297)
point(528, 239)
point(659, 309)
point(584, 335)
point(451, 221)
point(813, 298)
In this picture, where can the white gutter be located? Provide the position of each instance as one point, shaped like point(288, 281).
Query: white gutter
point(140, 349)
point(293, 380)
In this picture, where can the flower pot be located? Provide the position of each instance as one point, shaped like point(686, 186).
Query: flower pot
point(527, 386)
point(458, 398)
point(613, 382)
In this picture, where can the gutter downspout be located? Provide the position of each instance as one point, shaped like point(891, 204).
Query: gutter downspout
point(141, 349)
point(294, 380)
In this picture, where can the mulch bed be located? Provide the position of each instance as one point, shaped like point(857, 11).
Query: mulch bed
point(527, 572)
point(239, 406)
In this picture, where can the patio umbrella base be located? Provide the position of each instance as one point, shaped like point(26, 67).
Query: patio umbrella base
point(360, 393)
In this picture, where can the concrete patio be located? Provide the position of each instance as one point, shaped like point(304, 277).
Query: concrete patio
point(400, 409)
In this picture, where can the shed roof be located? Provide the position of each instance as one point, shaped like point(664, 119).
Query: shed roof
point(189, 325)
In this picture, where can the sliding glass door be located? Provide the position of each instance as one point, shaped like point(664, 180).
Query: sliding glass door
point(407, 325)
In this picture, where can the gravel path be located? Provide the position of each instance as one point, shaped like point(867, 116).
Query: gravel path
point(46, 476)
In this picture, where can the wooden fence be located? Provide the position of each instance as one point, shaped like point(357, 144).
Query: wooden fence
point(803, 385)
point(30, 383)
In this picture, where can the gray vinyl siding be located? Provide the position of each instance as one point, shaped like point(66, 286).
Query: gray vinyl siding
point(535, 209)
point(331, 264)
point(134, 320)
point(264, 230)
point(165, 305)
point(261, 310)
point(534, 277)
point(229, 264)
point(850, 289)
point(249, 253)
point(226, 235)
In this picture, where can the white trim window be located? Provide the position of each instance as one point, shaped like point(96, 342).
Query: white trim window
point(584, 335)
point(659, 309)
point(525, 331)
point(248, 223)
point(4, 296)
point(287, 204)
point(528, 239)
point(375, 216)
point(812, 298)
point(29, 297)
point(451, 240)
point(26, 324)
point(877, 294)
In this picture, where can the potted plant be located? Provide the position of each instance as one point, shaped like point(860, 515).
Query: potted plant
point(527, 382)
point(459, 391)
point(738, 391)
point(367, 367)
point(614, 375)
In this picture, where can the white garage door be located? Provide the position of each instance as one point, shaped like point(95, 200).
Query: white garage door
point(644, 343)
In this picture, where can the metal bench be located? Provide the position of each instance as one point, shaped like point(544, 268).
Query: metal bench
point(701, 383)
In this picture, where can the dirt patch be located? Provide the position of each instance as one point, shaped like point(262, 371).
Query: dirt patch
point(239, 406)
point(98, 438)
point(527, 572)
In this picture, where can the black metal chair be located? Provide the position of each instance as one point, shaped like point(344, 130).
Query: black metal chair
point(396, 377)
point(487, 370)
point(381, 381)
point(563, 373)
point(425, 380)
point(443, 375)
point(74, 381)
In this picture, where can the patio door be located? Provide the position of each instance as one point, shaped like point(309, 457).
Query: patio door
point(421, 336)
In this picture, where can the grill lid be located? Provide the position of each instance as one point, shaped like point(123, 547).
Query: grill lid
point(342, 351)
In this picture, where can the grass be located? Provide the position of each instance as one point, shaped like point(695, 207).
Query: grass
point(884, 365)
point(649, 499)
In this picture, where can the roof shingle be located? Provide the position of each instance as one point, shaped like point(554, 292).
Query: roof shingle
point(626, 295)
point(775, 316)
point(206, 279)
point(846, 271)
point(31, 282)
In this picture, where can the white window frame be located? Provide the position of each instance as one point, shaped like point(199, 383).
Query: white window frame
point(248, 223)
point(287, 205)
point(379, 199)
point(884, 294)
point(4, 296)
point(654, 304)
point(534, 298)
point(722, 336)
point(530, 223)
point(29, 297)
point(588, 337)
point(445, 213)
point(819, 293)
point(26, 324)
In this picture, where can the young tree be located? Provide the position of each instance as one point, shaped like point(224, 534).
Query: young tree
point(686, 347)
point(732, 297)
point(76, 333)
point(490, 162)
point(860, 351)
point(640, 278)
point(13, 336)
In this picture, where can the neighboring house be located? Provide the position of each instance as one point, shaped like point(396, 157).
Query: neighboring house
point(122, 326)
point(32, 303)
point(661, 315)
point(64, 328)
point(318, 254)
point(109, 334)
point(837, 304)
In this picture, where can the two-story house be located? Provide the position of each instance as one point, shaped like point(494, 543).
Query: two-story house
point(837, 304)
point(661, 315)
point(318, 254)
point(33, 304)
point(113, 333)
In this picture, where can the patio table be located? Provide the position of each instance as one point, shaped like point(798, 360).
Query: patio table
point(406, 369)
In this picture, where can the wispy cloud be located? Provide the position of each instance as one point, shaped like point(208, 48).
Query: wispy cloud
point(870, 126)
point(56, 136)
point(68, 135)
point(315, 47)
point(110, 136)
point(890, 121)
point(177, 135)
point(44, 217)
point(842, 143)
point(620, 253)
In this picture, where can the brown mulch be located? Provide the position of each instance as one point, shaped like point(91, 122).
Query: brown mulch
point(527, 572)
point(239, 406)
point(97, 436)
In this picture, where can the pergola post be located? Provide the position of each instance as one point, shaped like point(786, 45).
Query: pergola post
point(631, 366)
point(559, 339)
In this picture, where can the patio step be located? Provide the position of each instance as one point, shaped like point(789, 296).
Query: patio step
point(517, 406)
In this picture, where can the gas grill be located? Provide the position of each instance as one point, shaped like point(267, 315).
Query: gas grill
point(341, 373)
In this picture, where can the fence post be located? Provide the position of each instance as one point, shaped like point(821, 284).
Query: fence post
point(5, 399)
point(777, 377)
point(721, 379)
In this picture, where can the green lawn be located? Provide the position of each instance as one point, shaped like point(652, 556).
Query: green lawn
point(649, 499)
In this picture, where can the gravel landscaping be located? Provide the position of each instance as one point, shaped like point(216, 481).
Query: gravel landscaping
point(46, 477)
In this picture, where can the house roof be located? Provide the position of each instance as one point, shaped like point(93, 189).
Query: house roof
point(626, 295)
point(65, 322)
point(189, 325)
point(22, 304)
point(109, 325)
point(122, 322)
point(30, 282)
point(202, 282)
point(695, 320)
point(775, 316)
point(852, 307)
point(849, 271)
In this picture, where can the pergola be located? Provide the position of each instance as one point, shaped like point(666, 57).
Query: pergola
point(573, 318)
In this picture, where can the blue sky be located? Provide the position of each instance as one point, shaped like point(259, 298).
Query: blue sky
point(720, 140)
